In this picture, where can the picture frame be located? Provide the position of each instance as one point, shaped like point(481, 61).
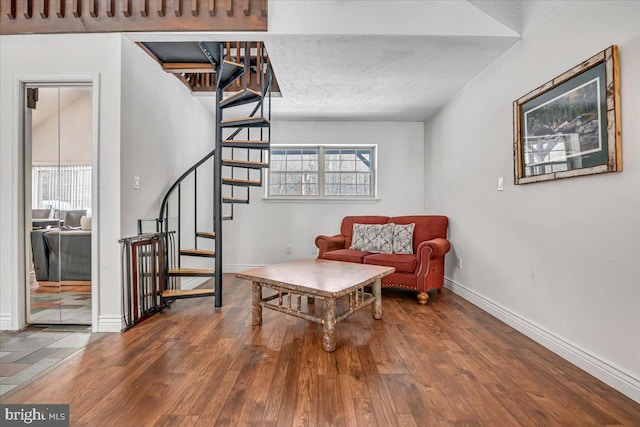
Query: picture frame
point(570, 126)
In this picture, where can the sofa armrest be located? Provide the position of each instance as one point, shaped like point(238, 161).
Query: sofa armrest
point(329, 243)
point(428, 251)
point(433, 248)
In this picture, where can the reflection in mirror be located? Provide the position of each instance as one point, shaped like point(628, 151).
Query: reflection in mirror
point(58, 136)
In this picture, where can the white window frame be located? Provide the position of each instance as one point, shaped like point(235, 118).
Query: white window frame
point(321, 173)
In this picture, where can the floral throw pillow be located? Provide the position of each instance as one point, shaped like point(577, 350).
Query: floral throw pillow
point(375, 238)
point(403, 238)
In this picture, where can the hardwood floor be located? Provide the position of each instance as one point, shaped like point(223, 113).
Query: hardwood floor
point(442, 364)
point(70, 286)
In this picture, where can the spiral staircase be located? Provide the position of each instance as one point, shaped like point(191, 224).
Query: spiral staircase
point(241, 76)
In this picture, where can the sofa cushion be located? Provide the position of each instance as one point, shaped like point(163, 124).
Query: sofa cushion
point(42, 213)
point(346, 255)
point(375, 238)
point(427, 227)
point(346, 228)
point(72, 218)
point(403, 263)
point(403, 238)
point(69, 254)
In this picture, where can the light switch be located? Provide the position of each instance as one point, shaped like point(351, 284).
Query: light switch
point(136, 182)
point(500, 184)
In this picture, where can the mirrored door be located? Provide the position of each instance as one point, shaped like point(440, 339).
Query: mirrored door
point(58, 155)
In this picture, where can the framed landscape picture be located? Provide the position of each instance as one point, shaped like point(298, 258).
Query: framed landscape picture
point(570, 126)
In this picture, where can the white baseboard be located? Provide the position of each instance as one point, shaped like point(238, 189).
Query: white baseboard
point(5, 322)
point(591, 363)
point(193, 283)
point(234, 268)
point(110, 323)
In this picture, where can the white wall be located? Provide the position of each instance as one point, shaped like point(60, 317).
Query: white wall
point(261, 231)
point(76, 133)
point(558, 260)
point(164, 131)
point(60, 57)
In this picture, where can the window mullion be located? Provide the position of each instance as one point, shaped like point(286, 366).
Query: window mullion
point(321, 189)
point(338, 185)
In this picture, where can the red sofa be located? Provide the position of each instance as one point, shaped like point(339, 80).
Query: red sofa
point(421, 271)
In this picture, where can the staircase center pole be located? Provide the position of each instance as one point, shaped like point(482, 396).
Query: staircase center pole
point(217, 193)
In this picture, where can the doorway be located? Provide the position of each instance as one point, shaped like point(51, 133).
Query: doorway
point(58, 155)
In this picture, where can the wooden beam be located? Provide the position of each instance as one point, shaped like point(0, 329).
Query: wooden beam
point(60, 8)
point(171, 67)
point(259, 62)
point(126, 8)
point(93, 8)
point(11, 13)
point(89, 16)
point(111, 8)
point(44, 9)
point(27, 6)
point(77, 8)
point(144, 8)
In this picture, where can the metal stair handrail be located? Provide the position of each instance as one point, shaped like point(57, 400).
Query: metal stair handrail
point(175, 185)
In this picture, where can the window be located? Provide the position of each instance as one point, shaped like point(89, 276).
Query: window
point(323, 171)
point(63, 187)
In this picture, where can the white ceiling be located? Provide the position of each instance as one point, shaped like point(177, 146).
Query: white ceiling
point(53, 99)
point(394, 60)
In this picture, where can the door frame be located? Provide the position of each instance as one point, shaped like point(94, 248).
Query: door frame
point(21, 236)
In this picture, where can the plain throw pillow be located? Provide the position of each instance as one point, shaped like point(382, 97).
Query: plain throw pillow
point(85, 223)
point(403, 238)
point(375, 238)
point(72, 218)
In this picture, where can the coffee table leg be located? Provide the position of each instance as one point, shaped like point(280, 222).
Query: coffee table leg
point(329, 326)
point(256, 318)
point(377, 302)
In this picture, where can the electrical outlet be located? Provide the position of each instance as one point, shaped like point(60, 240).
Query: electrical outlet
point(460, 263)
point(501, 184)
point(136, 182)
point(289, 249)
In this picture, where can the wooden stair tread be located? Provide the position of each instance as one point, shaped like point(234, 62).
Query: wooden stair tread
point(251, 121)
point(245, 163)
point(206, 234)
point(234, 200)
point(241, 182)
point(234, 63)
point(197, 252)
point(242, 97)
point(191, 272)
point(235, 119)
point(186, 293)
point(246, 143)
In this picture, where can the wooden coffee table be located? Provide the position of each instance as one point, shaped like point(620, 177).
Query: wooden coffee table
point(321, 279)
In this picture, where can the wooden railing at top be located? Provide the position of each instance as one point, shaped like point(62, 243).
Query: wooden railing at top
point(92, 16)
point(201, 78)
